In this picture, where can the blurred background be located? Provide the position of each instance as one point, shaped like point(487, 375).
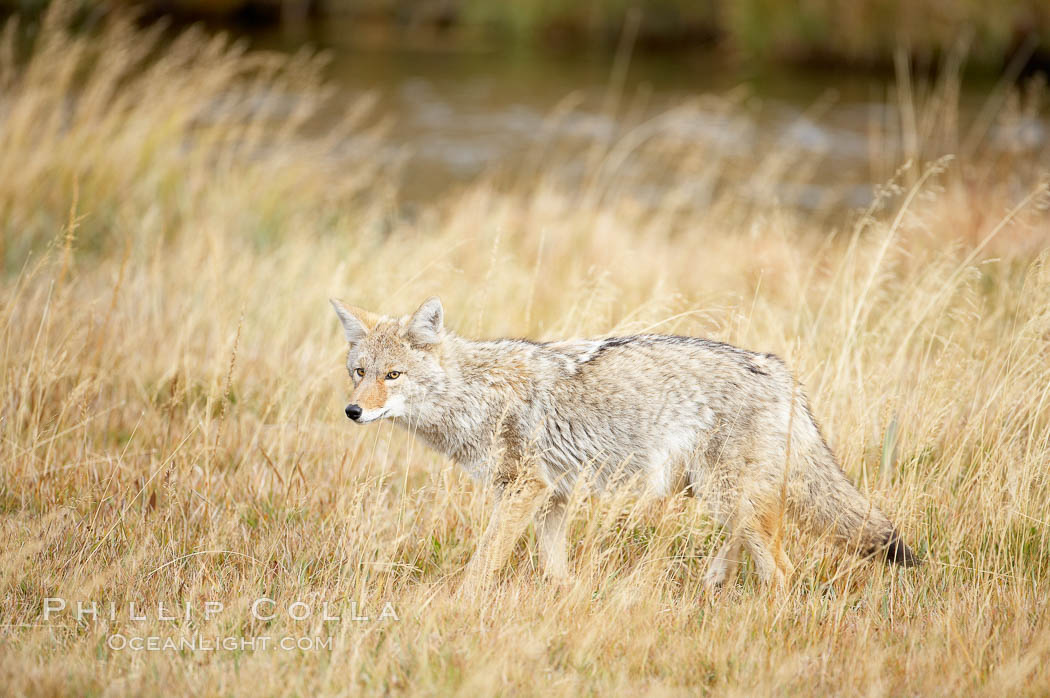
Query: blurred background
point(470, 87)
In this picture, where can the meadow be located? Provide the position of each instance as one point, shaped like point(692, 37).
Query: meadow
point(172, 389)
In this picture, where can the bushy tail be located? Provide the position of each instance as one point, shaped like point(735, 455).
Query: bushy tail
point(824, 500)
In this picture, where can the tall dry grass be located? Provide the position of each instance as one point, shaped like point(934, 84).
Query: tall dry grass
point(172, 390)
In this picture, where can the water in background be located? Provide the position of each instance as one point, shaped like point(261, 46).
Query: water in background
point(461, 109)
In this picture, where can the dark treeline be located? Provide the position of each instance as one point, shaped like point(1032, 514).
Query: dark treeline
point(861, 33)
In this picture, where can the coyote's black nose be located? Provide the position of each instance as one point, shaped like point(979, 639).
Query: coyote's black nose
point(353, 411)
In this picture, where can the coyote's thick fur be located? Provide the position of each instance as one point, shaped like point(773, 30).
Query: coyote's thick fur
point(674, 414)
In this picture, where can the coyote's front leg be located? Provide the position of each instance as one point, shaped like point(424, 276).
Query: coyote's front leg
point(550, 534)
point(516, 504)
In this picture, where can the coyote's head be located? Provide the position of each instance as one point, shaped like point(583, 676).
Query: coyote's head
point(393, 362)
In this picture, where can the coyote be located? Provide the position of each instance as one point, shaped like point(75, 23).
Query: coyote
point(668, 413)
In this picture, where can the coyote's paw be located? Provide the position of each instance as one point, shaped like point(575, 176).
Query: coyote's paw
point(719, 574)
point(559, 581)
point(475, 582)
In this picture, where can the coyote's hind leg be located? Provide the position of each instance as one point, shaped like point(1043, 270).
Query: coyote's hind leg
point(754, 524)
point(763, 536)
point(724, 564)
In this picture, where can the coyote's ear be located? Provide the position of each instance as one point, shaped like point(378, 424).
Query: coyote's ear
point(425, 325)
point(356, 322)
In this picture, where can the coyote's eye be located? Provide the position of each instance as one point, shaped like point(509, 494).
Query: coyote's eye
point(360, 372)
point(392, 375)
